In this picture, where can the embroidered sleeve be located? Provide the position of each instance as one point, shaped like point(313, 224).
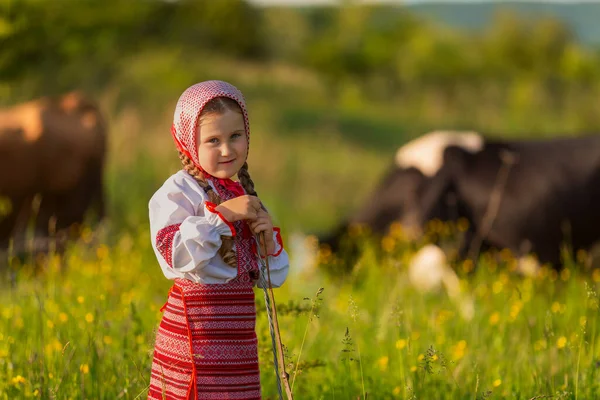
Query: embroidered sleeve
point(186, 234)
point(211, 207)
point(164, 242)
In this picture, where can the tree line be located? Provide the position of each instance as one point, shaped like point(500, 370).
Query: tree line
point(384, 50)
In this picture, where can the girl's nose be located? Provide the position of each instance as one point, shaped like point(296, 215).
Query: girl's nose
point(225, 150)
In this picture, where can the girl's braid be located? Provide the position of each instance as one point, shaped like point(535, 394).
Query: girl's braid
point(226, 250)
point(246, 181)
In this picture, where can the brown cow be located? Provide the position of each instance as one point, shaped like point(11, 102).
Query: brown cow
point(52, 153)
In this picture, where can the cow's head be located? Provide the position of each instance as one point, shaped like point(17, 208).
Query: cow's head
point(408, 192)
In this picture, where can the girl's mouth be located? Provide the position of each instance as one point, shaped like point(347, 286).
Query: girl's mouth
point(227, 162)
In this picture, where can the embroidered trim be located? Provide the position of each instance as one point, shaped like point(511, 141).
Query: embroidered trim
point(193, 383)
point(164, 242)
point(210, 206)
point(279, 242)
point(206, 345)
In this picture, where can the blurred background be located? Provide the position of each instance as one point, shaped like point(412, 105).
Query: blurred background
point(333, 89)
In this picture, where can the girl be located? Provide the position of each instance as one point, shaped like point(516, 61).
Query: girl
point(202, 229)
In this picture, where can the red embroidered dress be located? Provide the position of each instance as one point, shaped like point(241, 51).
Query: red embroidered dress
point(206, 346)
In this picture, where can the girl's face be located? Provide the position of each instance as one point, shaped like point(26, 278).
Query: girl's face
point(222, 143)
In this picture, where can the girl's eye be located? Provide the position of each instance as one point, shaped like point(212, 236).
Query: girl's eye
point(236, 135)
point(213, 141)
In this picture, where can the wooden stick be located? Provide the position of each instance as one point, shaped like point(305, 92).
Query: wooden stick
point(280, 359)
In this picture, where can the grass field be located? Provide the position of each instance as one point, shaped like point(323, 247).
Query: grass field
point(87, 332)
point(83, 327)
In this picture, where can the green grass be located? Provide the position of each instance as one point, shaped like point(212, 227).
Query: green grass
point(87, 332)
point(83, 328)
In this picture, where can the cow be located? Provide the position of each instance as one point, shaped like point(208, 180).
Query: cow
point(52, 156)
point(528, 196)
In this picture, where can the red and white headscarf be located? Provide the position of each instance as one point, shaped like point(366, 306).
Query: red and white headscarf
point(188, 109)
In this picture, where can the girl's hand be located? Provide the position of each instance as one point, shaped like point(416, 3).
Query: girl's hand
point(263, 223)
point(242, 207)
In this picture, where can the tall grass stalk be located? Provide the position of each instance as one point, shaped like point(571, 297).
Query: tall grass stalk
point(310, 317)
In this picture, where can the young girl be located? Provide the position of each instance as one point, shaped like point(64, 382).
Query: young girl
point(203, 226)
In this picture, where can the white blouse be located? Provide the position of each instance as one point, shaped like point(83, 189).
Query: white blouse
point(186, 235)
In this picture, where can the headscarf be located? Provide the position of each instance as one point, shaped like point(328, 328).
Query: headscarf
point(188, 109)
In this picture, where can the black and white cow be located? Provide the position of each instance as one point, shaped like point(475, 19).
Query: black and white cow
point(529, 196)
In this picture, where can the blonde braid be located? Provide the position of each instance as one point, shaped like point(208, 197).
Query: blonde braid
point(246, 181)
point(226, 250)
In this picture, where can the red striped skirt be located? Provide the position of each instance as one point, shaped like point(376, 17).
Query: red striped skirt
point(206, 345)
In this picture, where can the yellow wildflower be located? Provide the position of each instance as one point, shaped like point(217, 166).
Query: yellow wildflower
point(387, 244)
point(467, 266)
point(84, 368)
point(18, 380)
point(396, 230)
point(102, 252)
point(383, 363)
point(63, 317)
point(459, 349)
point(497, 382)
point(497, 287)
point(400, 344)
point(8, 313)
point(89, 317)
point(494, 318)
point(515, 309)
point(561, 342)
point(462, 224)
point(555, 307)
point(80, 299)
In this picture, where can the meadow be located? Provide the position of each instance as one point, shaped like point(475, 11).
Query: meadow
point(82, 327)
